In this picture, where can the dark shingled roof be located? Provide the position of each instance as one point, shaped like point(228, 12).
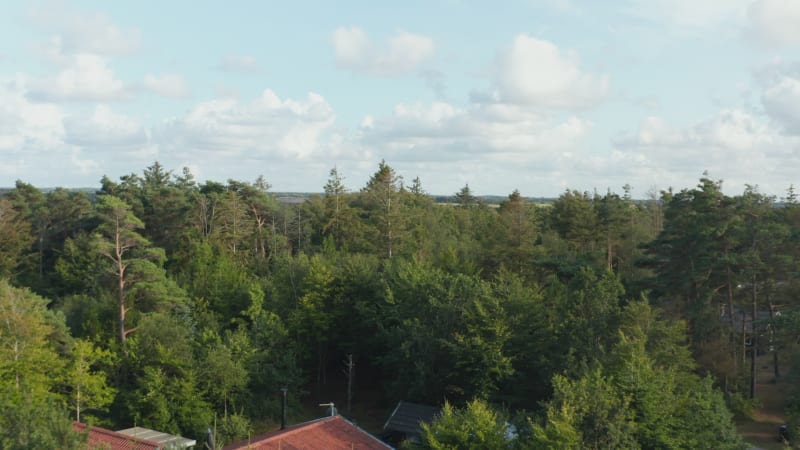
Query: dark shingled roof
point(328, 433)
point(407, 416)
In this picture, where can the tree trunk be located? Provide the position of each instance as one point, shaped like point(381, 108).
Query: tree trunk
point(773, 339)
point(78, 404)
point(731, 319)
point(120, 284)
point(754, 344)
point(744, 341)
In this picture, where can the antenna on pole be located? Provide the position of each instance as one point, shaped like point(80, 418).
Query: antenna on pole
point(332, 408)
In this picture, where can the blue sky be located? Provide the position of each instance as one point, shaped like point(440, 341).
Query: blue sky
point(534, 95)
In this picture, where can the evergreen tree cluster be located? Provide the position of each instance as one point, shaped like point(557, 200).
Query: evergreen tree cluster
point(594, 321)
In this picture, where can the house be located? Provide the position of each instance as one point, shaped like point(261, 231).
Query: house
point(100, 438)
point(136, 438)
point(405, 422)
point(328, 433)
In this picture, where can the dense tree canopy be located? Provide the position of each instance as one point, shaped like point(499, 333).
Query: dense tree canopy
point(588, 321)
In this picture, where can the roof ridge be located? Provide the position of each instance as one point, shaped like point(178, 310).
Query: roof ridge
point(289, 430)
point(335, 425)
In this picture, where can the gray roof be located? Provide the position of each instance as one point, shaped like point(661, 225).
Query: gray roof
point(167, 440)
point(407, 416)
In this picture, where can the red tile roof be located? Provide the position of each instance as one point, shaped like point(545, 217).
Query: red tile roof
point(100, 438)
point(328, 433)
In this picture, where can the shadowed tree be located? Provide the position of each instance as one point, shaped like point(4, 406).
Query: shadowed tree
point(15, 238)
point(515, 235)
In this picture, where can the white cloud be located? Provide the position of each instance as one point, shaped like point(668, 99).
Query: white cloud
point(776, 22)
point(780, 95)
point(105, 129)
point(26, 126)
point(729, 134)
point(537, 72)
point(265, 128)
point(351, 46)
point(106, 140)
point(239, 63)
point(733, 144)
point(782, 102)
point(689, 16)
point(485, 132)
point(403, 53)
point(32, 139)
point(435, 81)
point(85, 77)
point(81, 32)
point(560, 6)
point(168, 85)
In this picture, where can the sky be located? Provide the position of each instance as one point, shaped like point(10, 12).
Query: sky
point(538, 96)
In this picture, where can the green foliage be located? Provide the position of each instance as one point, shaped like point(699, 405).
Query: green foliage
point(31, 414)
point(233, 428)
point(87, 383)
point(514, 236)
point(26, 423)
point(586, 316)
point(226, 295)
point(137, 275)
point(385, 212)
point(15, 238)
point(587, 413)
point(79, 269)
point(448, 334)
point(574, 218)
point(641, 394)
point(476, 426)
point(29, 364)
point(165, 394)
point(691, 254)
point(222, 375)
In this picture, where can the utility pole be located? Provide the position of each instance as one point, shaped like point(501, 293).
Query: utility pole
point(284, 390)
point(350, 365)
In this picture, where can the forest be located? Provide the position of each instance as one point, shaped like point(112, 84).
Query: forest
point(594, 320)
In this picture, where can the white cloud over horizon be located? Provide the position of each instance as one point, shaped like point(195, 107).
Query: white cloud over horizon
point(733, 145)
point(524, 97)
point(106, 129)
point(443, 132)
point(264, 128)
